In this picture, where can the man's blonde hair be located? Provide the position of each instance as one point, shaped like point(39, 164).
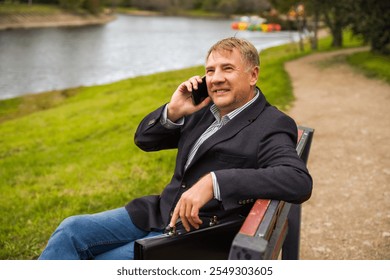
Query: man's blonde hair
point(248, 52)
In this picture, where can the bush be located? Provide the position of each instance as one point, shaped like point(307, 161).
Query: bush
point(72, 5)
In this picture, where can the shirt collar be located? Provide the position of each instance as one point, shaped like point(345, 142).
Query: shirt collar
point(214, 110)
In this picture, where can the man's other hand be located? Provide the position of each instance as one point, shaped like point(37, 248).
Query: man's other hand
point(187, 208)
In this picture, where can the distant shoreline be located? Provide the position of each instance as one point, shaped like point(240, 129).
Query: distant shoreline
point(27, 21)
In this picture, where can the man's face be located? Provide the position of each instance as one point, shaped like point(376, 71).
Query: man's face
point(229, 80)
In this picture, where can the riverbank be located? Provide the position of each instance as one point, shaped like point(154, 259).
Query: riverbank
point(273, 58)
point(55, 18)
point(39, 16)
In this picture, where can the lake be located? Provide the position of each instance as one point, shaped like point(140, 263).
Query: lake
point(36, 60)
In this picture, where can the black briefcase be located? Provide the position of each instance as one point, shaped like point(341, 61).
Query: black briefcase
point(212, 241)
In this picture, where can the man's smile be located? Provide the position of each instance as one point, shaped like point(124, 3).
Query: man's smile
point(220, 91)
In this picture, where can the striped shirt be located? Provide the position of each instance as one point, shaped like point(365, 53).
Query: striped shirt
point(213, 128)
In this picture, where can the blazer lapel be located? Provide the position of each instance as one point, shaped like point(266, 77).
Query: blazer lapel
point(242, 120)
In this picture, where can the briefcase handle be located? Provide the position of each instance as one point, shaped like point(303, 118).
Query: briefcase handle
point(173, 231)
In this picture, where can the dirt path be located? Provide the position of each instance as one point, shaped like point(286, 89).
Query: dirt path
point(348, 215)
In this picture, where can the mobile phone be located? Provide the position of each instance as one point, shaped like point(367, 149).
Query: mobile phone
point(198, 95)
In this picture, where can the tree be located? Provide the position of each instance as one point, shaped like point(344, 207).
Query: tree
point(71, 4)
point(336, 16)
point(302, 15)
point(371, 20)
point(314, 7)
point(92, 6)
point(252, 6)
point(228, 7)
point(334, 13)
point(155, 5)
point(49, 2)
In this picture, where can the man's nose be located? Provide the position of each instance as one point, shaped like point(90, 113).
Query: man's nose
point(218, 77)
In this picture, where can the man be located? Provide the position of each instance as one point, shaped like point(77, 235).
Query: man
point(233, 148)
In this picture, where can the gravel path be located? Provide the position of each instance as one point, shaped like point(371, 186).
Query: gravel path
point(348, 215)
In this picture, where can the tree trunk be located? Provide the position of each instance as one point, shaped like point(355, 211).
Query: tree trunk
point(336, 30)
point(314, 37)
point(299, 22)
point(337, 34)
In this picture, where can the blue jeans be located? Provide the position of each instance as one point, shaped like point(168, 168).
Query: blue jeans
point(108, 235)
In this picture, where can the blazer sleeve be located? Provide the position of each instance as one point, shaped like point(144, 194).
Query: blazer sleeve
point(280, 174)
point(151, 135)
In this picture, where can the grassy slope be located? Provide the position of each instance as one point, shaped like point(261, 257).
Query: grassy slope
point(372, 65)
point(71, 152)
point(76, 158)
point(11, 9)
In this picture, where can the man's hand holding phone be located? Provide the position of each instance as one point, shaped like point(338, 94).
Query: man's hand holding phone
point(184, 103)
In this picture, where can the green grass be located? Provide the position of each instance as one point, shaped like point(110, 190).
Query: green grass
point(7, 8)
point(372, 65)
point(274, 80)
point(349, 41)
point(78, 157)
point(23, 9)
point(70, 152)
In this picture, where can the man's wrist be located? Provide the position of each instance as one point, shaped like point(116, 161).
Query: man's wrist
point(216, 190)
point(172, 113)
point(167, 123)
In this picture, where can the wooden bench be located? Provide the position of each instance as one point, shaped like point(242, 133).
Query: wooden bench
point(270, 227)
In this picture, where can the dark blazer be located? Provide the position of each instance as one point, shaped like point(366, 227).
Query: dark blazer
point(253, 156)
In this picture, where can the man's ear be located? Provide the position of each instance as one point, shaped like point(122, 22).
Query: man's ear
point(254, 75)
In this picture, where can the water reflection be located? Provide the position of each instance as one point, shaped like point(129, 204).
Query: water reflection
point(55, 58)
